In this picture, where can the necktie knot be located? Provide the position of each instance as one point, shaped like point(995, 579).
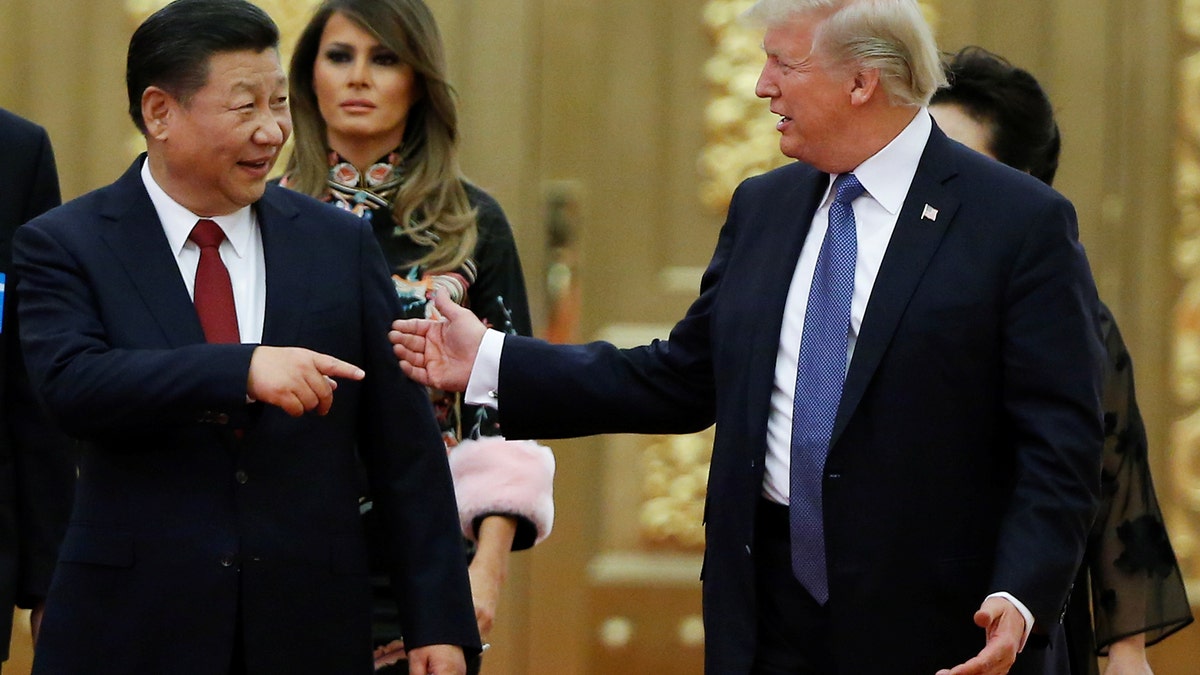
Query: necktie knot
point(207, 234)
point(847, 188)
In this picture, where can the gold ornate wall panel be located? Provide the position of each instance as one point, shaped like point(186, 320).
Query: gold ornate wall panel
point(290, 15)
point(675, 475)
point(740, 129)
point(1183, 500)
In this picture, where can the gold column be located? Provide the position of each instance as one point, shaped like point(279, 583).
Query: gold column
point(1182, 503)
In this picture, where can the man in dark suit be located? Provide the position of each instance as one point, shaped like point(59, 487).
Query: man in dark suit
point(216, 526)
point(897, 341)
point(36, 471)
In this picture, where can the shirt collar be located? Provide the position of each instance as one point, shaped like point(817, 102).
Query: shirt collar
point(887, 174)
point(178, 221)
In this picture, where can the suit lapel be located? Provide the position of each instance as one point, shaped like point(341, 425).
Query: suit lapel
point(778, 249)
point(288, 268)
point(137, 239)
point(914, 243)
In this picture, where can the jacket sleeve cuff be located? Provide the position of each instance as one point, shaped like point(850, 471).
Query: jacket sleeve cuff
point(494, 476)
point(1024, 612)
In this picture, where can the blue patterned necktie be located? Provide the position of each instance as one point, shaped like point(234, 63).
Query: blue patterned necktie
point(824, 344)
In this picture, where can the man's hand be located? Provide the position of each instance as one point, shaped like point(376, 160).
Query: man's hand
point(1005, 628)
point(439, 353)
point(295, 379)
point(437, 660)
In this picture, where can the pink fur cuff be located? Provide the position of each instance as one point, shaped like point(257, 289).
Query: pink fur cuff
point(497, 476)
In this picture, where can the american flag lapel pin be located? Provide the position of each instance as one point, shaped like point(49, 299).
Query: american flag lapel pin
point(929, 213)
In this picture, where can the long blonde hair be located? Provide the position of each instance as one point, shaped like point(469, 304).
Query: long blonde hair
point(431, 205)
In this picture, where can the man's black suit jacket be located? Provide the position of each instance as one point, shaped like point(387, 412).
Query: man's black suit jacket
point(966, 452)
point(197, 512)
point(36, 469)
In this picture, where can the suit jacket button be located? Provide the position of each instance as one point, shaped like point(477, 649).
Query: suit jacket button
point(227, 560)
point(241, 477)
point(222, 418)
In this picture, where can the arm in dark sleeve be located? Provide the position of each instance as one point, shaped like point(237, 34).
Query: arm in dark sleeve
point(666, 387)
point(1052, 360)
point(92, 389)
point(43, 455)
point(409, 478)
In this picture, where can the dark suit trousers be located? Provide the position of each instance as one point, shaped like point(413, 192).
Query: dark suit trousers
point(793, 630)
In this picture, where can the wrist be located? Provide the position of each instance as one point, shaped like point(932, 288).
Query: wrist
point(1133, 646)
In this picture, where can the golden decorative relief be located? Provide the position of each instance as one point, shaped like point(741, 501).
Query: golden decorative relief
point(675, 480)
point(1189, 18)
point(289, 15)
point(740, 129)
point(1183, 500)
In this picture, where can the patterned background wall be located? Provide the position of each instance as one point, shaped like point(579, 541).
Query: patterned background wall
point(1183, 503)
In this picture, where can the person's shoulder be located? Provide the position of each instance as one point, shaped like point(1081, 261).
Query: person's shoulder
point(12, 124)
point(312, 217)
point(988, 176)
point(783, 183)
point(483, 202)
point(791, 174)
point(305, 205)
point(21, 139)
point(489, 215)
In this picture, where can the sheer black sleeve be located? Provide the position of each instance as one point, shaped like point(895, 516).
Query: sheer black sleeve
point(1136, 583)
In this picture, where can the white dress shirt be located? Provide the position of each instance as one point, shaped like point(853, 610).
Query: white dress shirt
point(242, 253)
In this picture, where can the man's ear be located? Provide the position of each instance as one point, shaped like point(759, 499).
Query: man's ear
point(158, 107)
point(864, 86)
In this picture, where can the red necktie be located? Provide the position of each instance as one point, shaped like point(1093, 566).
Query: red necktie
point(213, 295)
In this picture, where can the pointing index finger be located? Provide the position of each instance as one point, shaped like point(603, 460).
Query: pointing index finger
point(331, 367)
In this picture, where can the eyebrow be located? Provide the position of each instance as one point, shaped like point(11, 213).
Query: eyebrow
point(251, 86)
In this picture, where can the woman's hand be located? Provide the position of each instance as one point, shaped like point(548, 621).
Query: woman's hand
point(1128, 657)
point(389, 654)
point(489, 568)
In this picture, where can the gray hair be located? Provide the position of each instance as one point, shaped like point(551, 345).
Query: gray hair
point(889, 35)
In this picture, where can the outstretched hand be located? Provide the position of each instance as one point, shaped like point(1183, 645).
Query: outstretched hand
point(1005, 628)
point(439, 353)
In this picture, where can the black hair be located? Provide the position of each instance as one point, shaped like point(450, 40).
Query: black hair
point(1011, 104)
point(172, 48)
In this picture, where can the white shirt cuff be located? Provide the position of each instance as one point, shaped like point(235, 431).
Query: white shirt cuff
point(1024, 612)
point(485, 373)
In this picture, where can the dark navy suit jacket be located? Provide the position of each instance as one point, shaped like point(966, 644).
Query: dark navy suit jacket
point(966, 452)
point(36, 467)
point(196, 511)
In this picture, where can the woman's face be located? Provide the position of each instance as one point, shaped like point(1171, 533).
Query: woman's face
point(960, 126)
point(364, 91)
